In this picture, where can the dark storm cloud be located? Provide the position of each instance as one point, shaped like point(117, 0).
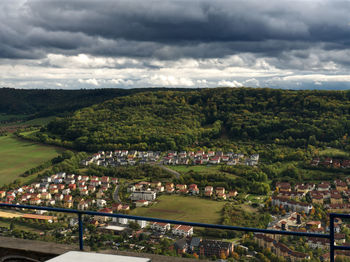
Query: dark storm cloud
point(171, 29)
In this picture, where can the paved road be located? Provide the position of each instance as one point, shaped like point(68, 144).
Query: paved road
point(177, 174)
point(116, 194)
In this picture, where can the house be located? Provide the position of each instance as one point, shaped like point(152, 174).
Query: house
point(169, 187)
point(221, 195)
point(220, 190)
point(181, 230)
point(32, 201)
point(82, 205)
point(141, 203)
point(317, 199)
point(214, 160)
point(216, 248)
point(114, 180)
point(193, 189)
point(66, 191)
point(208, 190)
point(68, 204)
point(143, 195)
point(72, 186)
point(336, 199)
point(324, 186)
point(67, 198)
point(101, 203)
point(340, 185)
point(117, 206)
point(232, 193)
point(58, 197)
point(45, 196)
point(103, 219)
point(100, 194)
point(292, 205)
point(181, 187)
point(313, 225)
point(283, 186)
point(181, 246)
point(162, 227)
point(91, 188)
point(84, 192)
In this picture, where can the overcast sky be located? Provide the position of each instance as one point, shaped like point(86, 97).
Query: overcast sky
point(131, 43)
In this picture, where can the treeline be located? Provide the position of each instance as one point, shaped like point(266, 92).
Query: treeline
point(166, 120)
point(47, 102)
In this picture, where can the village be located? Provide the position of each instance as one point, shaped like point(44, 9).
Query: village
point(295, 205)
point(97, 193)
point(134, 157)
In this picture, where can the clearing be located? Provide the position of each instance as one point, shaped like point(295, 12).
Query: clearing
point(191, 209)
point(17, 156)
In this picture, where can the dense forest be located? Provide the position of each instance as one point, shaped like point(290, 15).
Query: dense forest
point(45, 102)
point(165, 120)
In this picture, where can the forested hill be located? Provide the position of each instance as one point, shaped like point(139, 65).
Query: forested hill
point(45, 102)
point(166, 120)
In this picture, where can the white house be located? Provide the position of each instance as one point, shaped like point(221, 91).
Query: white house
point(181, 230)
point(143, 195)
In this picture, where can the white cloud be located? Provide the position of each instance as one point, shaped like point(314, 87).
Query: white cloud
point(91, 81)
point(170, 80)
point(234, 83)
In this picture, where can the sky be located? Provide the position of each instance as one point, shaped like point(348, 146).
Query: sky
point(134, 44)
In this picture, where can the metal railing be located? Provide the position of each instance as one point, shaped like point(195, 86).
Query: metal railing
point(80, 213)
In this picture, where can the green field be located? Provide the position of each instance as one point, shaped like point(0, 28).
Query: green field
point(333, 152)
point(17, 156)
point(202, 169)
point(183, 208)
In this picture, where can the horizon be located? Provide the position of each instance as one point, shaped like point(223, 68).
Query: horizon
point(121, 44)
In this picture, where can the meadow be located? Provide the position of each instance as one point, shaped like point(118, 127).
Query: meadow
point(18, 155)
point(202, 169)
point(191, 209)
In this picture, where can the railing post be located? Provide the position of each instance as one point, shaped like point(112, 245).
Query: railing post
point(331, 237)
point(81, 233)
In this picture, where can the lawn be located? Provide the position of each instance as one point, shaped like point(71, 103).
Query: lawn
point(183, 208)
point(17, 156)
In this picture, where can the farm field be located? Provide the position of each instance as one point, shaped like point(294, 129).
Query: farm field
point(183, 208)
point(17, 156)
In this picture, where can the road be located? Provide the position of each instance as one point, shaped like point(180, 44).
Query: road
point(177, 174)
point(116, 194)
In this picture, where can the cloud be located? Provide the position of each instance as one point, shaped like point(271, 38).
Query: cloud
point(174, 43)
point(234, 83)
point(91, 81)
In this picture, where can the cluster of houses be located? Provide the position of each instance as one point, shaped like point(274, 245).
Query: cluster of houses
point(335, 197)
point(330, 162)
point(210, 157)
point(204, 247)
point(122, 158)
point(297, 223)
point(58, 189)
point(280, 249)
point(145, 192)
point(134, 157)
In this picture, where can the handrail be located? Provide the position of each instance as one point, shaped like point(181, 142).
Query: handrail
point(80, 213)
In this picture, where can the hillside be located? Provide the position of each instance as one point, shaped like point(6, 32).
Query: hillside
point(165, 120)
point(17, 104)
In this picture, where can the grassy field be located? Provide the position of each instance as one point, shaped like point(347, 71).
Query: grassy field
point(203, 169)
point(333, 152)
point(183, 208)
point(17, 156)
